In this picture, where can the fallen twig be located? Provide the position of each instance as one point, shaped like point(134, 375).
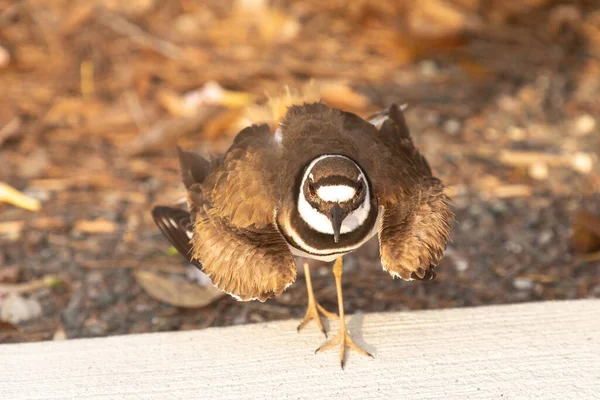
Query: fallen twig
point(10, 195)
point(32, 286)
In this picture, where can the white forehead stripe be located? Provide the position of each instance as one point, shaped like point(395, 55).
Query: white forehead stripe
point(336, 193)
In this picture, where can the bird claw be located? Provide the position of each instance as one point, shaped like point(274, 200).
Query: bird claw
point(345, 341)
point(313, 313)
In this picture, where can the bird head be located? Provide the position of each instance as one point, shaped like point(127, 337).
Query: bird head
point(334, 195)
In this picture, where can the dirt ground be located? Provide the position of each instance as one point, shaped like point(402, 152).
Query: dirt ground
point(504, 100)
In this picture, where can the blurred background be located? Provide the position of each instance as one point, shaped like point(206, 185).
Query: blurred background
point(503, 96)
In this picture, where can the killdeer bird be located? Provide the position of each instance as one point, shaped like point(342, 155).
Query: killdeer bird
point(321, 185)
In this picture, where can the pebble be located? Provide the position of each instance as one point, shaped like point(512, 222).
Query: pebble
point(255, 317)
point(60, 334)
point(452, 127)
point(545, 237)
point(15, 309)
point(461, 265)
point(513, 247)
point(428, 68)
point(523, 284)
point(95, 327)
point(162, 323)
point(72, 315)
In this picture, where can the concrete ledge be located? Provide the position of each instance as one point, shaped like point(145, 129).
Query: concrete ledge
point(537, 350)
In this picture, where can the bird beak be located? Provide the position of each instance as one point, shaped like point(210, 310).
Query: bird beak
point(337, 215)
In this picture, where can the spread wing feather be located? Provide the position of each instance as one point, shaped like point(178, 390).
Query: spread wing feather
point(417, 216)
point(246, 262)
point(232, 202)
point(244, 188)
point(177, 227)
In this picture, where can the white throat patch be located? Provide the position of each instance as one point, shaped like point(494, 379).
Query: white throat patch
point(320, 222)
point(336, 193)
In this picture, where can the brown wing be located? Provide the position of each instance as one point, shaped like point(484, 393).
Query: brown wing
point(245, 188)
point(234, 232)
point(247, 263)
point(417, 216)
point(414, 233)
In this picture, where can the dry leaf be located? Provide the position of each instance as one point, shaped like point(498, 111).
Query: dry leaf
point(175, 292)
point(586, 232)
point(211, 94)
point(16, 198)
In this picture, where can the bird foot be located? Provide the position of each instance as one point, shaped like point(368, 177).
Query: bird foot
point(313, 312)
point(345, 341)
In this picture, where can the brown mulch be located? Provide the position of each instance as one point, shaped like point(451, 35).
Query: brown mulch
point(504, 99)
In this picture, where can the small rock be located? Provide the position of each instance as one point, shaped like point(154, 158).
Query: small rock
point(162, 323)
point(428, 68)
point(452, 127)
point(15, 309)
point(513, 247)
point(255, 317)
point(523, 284)
point(60, 334)
point(545, 237)
point(461, 265)
point(584, 125)
point(73, 315)
point(498, 207)
point(95, 327)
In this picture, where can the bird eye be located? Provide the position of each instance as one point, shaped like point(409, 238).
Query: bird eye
point(311, 189)
point(359, 189)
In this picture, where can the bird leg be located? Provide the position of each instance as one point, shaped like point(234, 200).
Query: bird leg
point(314, 308)
point(343, 337)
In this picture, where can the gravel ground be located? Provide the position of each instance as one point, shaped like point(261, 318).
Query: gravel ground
point(504, 99)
